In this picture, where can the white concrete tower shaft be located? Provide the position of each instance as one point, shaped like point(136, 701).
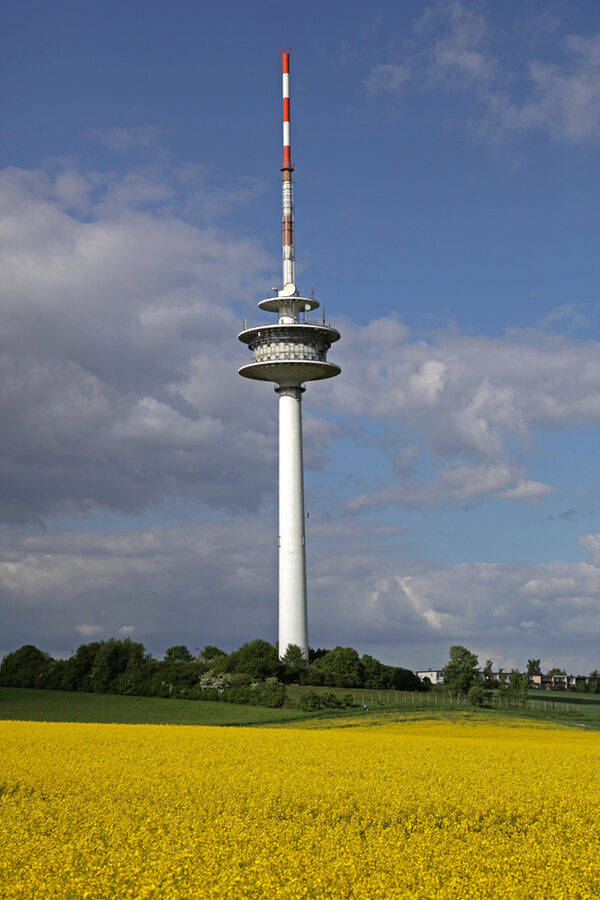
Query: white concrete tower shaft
point(293, 615)
point(290, 353)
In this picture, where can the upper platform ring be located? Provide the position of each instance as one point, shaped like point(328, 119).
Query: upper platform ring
point(301, 304)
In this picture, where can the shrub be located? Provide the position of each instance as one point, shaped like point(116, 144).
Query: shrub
point(312, 701)
point(309, 701)
point(269, 693)
point(478, 694)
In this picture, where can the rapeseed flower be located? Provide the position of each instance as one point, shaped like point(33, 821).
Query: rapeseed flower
point(423, 809)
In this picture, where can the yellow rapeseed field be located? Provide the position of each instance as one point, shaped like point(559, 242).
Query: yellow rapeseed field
point(422, 809)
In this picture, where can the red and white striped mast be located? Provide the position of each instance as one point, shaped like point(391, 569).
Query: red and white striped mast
point(290, 352)
point(287, 204)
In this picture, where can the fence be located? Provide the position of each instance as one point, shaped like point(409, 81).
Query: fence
point(445, 698)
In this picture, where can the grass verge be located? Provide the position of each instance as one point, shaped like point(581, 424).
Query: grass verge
point(63, 706)
point(577, 710)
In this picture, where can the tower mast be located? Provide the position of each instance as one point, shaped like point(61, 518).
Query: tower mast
point(290, 353)
point(287, 202)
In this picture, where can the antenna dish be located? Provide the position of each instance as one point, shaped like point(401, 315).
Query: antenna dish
point(288, 290)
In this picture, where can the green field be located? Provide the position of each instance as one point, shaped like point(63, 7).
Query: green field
point(63, 706)
point(578, 710)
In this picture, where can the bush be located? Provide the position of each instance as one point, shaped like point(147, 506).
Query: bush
point(312, 701)
point(478, 694)
point(309, 701)
point(269, 693)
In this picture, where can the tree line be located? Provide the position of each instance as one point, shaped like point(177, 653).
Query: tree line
point(252, 674)
point(463, 676)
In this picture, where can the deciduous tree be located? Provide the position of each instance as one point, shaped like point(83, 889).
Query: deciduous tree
point(534, 667)
point(26, 667)
point(294, 666)
point(178, 654)
point(256, 658)
point(461, 670)
point(341, 667)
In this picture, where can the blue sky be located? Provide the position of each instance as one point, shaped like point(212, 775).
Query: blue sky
point(446, 193)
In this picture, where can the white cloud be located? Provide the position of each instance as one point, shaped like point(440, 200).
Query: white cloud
point(477, 404)
point(591, 544)
point(216, 583)
point(118, 378)
point(452, 51)
point(428, 382)
point(549, 587)
point(455, 34)
point(387, 79)
point(528, 491)
point(89, 630)
point(478, 389)
point(455, 484)
point(564, 100)
point(72, 190)
point(118, 385)
point(118, 137)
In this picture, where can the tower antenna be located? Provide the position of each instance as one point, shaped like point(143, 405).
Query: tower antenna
point(287, 204)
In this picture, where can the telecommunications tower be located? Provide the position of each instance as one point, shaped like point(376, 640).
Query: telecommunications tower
point(290, 352)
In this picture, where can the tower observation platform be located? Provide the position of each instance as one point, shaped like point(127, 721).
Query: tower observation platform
point(290, 352)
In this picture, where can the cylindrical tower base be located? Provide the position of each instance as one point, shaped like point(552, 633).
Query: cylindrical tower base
point(293, 625)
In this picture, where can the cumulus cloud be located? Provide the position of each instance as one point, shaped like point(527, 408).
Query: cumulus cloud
point(216, 583)
point(89, 630)
point(528, 491)
point(476, 404)
point(454, 49)
point(211, 583)
point(455, 484)
point(591, 544)
point(468, 392)
point(117, 352)
point(564, 100)
point(118, 389)
point(118, 380)
point(455, 34)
